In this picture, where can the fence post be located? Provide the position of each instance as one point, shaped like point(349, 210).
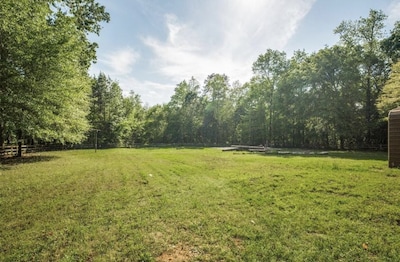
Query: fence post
point(19, 151)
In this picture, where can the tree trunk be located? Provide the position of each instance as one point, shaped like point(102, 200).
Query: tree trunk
point(1, 136)
point(368, 108)
point(341, 143)
point(19, 152)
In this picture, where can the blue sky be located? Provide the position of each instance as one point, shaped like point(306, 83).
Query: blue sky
point(150, 46)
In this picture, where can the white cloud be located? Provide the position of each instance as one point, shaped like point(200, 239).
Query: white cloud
point(150, 92)
point(213, 36)
point(226, 37)
point(120, 62)
point(119, 66)
point(394, 11)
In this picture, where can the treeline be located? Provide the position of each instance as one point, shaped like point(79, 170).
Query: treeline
point(337, 97)
point(333, 98)
point(45, 55)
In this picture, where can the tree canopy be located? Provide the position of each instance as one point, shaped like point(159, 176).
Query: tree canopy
point(390, 97)
point(44, 58)
point(336, 97)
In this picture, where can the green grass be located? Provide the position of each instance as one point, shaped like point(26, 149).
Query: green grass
point(198, 205)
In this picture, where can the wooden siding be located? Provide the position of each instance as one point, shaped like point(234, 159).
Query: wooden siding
point(394, 138)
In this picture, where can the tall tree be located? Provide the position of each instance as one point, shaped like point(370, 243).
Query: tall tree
point(107, 114)
point(185, 113)
point(364, 37)
point(269, 67)
point(215, 90)
point(44, 85)
point(132, 126)
point(293, 100)
point(391, 44)
point(390, 96)
point(336, 96)
point(254, 112)
point(156, 124)
point(87, 16)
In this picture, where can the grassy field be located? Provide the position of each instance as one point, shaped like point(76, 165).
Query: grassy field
point(198, 205)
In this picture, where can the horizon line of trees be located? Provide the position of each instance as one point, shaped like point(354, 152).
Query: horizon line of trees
point(337, 97)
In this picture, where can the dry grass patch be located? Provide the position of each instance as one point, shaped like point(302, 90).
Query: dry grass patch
point(178, 253)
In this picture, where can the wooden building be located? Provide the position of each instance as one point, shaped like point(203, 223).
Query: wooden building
point(394, 138)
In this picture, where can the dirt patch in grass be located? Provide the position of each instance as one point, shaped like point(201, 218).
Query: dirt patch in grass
point(238, 243)
point(178, 253)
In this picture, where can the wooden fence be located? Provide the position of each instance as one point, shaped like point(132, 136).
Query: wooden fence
point(12, 150)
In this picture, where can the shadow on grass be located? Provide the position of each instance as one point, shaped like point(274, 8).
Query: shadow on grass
point(169, 147)
point(26, 159)
point(361, 155)
point(353, 155)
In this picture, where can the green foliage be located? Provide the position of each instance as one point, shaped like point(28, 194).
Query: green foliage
point(390, 96)
point(294, 101)
point(269, 69)
point(325, 99)
point(254, 112)
point(87, 16)
point(335, 81)
point(156, 124)
point(364, 38)
point(118, 120)
point(134, 120)
point(204, 204)
point(391, 44)
point(216, 113)
point(44, 85)
point(185, 112)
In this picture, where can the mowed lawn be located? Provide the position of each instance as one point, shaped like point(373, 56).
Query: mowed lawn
point(198, 205)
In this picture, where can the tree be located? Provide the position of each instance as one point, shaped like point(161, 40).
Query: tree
point(44, 85)
point(87, 16)
point(215, 90)
point(364, 38)
point(390, 96)
point(391, 44)
point(185, 112)
point(192, 113)
point(156, 124)
point(134, 120)
point(269, 67)
point(254, 112)
point(336, 97)
point(235, 106)
point(293, 101)
point(107, 114)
